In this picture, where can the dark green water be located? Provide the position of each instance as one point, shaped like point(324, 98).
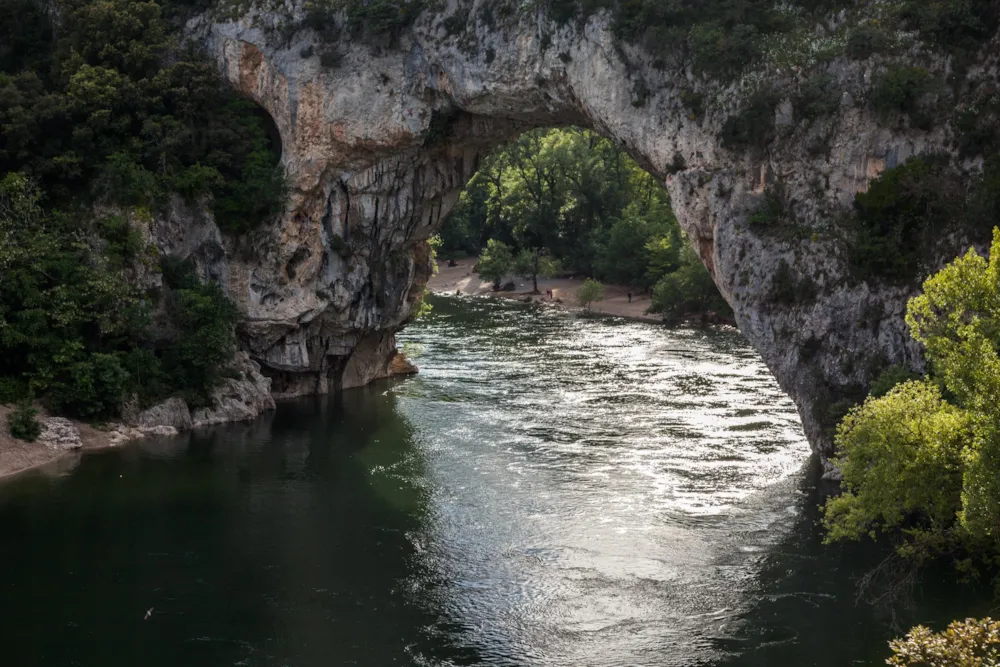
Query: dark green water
point(549, 491)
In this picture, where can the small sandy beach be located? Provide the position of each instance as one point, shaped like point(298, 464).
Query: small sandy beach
point(17, 456)
point(450, 280)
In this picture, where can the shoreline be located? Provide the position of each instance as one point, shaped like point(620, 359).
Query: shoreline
point(66, 439)
point(459, 279)
point(18, 456)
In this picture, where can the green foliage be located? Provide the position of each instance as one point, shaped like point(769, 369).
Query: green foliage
point(22, 422)
point(74, 331)
point(753, 127)
point(817, 98)
point(865, 41)
point(773, 209)
point(904, 91)
point(496, 262)
point(977, 124)
point(901, 457)
point(688, 290)
point(574, 198)
point(968, 643)
point(110, 109)
point(888, 379)
point(590, 291)
point(958, 25)
point(204, 345)
point(920, 462)
point(900, 217)
point(534, 264)
point(380, 18)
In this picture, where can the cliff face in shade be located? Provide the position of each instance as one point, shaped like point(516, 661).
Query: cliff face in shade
point(378, 146)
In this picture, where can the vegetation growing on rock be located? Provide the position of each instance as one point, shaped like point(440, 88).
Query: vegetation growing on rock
point(102, 108)
point(919, 462)
point(75, 330)
point(107, 107)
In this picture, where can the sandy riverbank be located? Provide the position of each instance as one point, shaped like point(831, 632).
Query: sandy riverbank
point(18, 456)
point(450, 280)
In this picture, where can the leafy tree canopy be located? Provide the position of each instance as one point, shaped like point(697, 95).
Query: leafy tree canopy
point(920, 462)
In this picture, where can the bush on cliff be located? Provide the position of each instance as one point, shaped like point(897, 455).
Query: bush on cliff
point(920, 463)
point(74, 331)
point(901, 216)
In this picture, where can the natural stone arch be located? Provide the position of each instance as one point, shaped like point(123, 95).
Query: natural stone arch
point(378, 147)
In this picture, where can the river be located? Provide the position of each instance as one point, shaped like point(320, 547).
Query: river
point(550, 490)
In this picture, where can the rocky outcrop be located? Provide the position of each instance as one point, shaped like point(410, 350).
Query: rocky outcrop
point(172, 413)
point(378, 145)
point(59, 434)
point(239, 398)
point(243, 396)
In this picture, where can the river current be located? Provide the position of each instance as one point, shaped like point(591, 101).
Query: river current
point(551, 490)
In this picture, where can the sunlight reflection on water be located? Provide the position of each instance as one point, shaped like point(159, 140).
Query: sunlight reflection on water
point(618, 481)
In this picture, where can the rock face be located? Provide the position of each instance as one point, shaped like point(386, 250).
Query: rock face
point(238, 399)
point(377, 147)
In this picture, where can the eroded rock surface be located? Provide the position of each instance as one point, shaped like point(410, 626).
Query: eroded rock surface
point(378, 145)
point(59, 434)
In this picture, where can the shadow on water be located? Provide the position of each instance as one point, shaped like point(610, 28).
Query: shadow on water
point(807, 608)
point(281, 542)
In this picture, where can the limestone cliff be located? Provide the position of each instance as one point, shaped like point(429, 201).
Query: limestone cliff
point(378, 143)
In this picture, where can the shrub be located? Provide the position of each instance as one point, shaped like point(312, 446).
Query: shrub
point(901, 216)
point(773, 209)
point(901, 458)
point(90, 389)
point(196, 359)
point(958, 25)
point(753, 127)
point(817, 97)
point(865, 41)
point(919, 463)
point(496, 262)
point(689, 290)
point(901, 91)
point(720, 51)
point(977, 124)
point(968, 643)
point(23, 424)
point(590, 291)
point(888, 379)
point(381, 20)
point(259, 195)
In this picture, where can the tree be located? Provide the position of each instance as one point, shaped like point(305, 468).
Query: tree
point(590, 291)
point(578, 199)
point(688, 289)
point(496, 262)
point(920, 463)
point(532, 264)
point(901, 458)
